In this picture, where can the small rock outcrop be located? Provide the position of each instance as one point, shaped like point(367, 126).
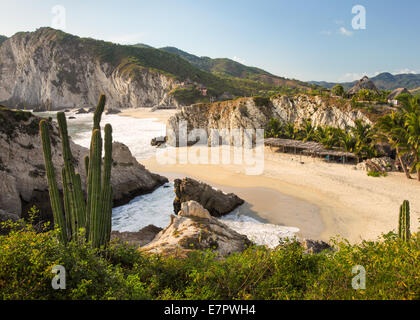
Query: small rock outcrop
point(195, 229)
point(23, 180)
point(315, 246)
point(81, 111)
point(112, 111)
point(137, 239)
point(159, 141)
point(384, 164)
point(215, 201)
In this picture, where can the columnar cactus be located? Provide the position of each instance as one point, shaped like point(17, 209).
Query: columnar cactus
point(93, 215)
point(55, 200)
point(404, 221)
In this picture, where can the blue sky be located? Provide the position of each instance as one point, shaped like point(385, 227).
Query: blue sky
point(301, 39)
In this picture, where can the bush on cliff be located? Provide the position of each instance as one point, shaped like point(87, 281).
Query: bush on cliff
point(120, 272)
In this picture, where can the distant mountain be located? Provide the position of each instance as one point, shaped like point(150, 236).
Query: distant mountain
point(230, 68)
point(54, 69)
point(383, 81)
point(2, 39)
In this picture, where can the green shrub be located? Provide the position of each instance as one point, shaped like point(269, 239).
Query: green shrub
point(377, 174)
point(121, 272)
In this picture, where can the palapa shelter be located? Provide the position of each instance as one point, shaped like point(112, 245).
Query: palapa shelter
point(310, 148)
point(364, 83)
point(392, 98)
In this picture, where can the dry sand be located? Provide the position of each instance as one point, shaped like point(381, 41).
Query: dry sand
point(146, 113)
point(322, 199)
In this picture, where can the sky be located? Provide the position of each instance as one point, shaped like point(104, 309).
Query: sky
point(299, 39)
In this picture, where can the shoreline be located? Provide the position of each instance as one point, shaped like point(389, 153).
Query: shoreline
point(351, 204)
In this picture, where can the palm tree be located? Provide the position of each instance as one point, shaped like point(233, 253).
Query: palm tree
point(412, 123)
point(363, 134)
point(308, 131)
point(290, 131)
point(391, 129)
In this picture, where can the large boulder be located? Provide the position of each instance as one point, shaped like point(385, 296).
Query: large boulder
point(215, 201)
point(384, 164)
point(137, 239)
point(195, 229)
point(23, 180)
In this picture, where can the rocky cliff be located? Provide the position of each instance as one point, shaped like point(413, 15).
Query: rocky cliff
point(254, 113)
point(23, 180)
point(55, 70)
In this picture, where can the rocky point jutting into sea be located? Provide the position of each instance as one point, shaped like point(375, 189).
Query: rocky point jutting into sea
point(22, 172)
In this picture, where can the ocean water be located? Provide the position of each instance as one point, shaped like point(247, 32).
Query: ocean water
point(157, 207)
point(135, 133)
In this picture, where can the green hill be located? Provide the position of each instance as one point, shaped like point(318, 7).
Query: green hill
point(228, 68)
point(383, 81)
point(129, 58)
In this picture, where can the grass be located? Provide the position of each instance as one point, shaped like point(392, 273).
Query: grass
point(121, 272)
point(377, 174)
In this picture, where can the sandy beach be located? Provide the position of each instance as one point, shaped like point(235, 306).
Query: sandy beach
point(144, 113)
point(322, 199)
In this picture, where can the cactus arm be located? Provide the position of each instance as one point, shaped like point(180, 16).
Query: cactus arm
point(77, 207)
point(55, 200)
point(95, 187)
point(67, 207)
point(106, 200)
point(98, 112)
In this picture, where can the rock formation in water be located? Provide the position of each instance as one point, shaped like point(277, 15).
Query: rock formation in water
point(215, 201)
point(255, 113)
point(195, 229)
point(22, 172)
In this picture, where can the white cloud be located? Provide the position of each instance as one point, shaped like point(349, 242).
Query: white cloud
point(328, 33)
point(343, 31)
point(237, 59)
point(350, 77)
point(405, 71)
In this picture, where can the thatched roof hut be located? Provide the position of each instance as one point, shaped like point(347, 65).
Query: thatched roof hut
point(397, 92)
point(309, 148)
point(364, 83)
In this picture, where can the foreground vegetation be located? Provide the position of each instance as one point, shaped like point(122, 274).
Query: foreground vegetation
point(121, 272)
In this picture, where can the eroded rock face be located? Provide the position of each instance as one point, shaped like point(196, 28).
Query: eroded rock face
point(247, 113)
point(23, 180)
point(53, 70)
point(215, 201)
point(195, 229)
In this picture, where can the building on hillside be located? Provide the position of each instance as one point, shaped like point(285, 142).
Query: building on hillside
point(392, 98)
point(364, 83)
